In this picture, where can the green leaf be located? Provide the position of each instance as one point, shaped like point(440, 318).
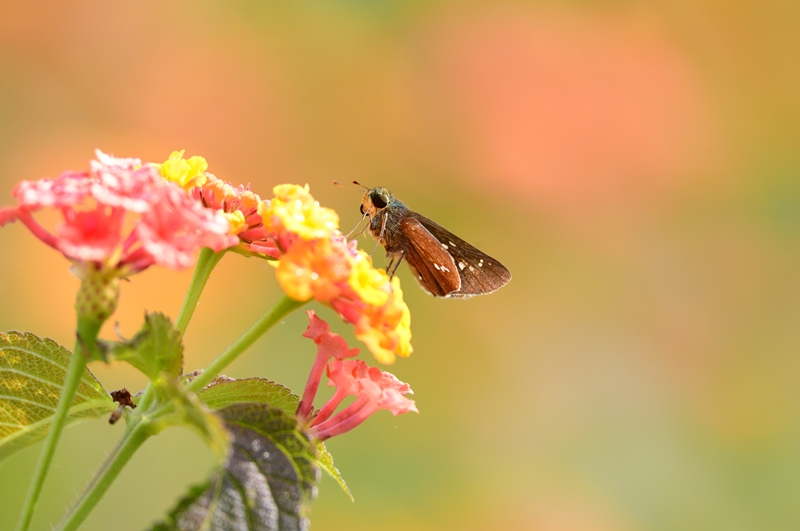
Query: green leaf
point(225, 391)
point(325, 462)
point(266, 484)
point(155, 350)
point(32, 372)
point(190, 412)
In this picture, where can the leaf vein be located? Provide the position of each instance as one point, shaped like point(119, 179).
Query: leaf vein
point(41, 380)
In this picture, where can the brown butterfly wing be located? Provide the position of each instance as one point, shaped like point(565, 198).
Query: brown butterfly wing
point(478, 272)
point(432, 265)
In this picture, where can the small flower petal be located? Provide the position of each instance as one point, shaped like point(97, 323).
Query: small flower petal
point(92, 236)
point(294, 210)
point(386, 329)
point(368, 283)
point(69, 188)
point(177, 225)
point(124, 183)
point(8, 215)
point(187, 173)
point(330, 345)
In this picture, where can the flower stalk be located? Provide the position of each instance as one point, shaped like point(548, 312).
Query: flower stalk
point(206, 263)
point(84, 342)
point(284, 307)
point(135, 435)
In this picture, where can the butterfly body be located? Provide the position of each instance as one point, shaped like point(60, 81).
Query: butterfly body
point(444, 264)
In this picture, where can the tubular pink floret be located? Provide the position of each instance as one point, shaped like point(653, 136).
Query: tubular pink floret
point(329, 346)
point(374, 389)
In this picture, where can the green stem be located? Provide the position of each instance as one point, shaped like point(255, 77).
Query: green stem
point(206, 262)
point(87, 335)
point(140, 432)
point(284, 307)
point(134, 437)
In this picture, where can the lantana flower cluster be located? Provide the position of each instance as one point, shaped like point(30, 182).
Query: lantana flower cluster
point(373, 388)
point(122, 216)
point(313, 259)
point(97, 206)
point(317, 262)
point(119, 218)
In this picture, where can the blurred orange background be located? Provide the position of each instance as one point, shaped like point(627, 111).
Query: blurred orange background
point(634, 164)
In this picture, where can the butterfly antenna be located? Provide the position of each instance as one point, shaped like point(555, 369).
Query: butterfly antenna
point(361, 185)
point(337, 183)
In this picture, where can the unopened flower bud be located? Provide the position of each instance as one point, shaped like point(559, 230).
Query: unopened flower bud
point(99, 292)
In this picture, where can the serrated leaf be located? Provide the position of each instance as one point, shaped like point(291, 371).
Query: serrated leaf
point(267, 483)
point(32, 373)
point(191, 412)
point(224, 391)
point(156, 349)
point(325, 462)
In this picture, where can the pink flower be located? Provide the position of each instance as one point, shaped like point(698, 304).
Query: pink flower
point(374, 389)
point(244, 210)
point(7, 215)
point(69, 188)
point(329, 346)
point(125, 183)
point(177, 225)
point(90, 236)
point(120, 217)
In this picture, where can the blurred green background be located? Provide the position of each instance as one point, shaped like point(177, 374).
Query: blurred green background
point(635, 164)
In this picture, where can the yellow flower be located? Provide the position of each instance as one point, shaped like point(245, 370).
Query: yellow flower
point(294, 210)
point(188, 173)
point(367, 281)
point(386, 329)
point(237, 221)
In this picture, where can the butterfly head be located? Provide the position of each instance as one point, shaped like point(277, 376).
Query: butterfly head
point(375, 200)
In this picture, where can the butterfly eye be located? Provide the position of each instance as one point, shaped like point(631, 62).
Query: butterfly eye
point(362, 209)
point(379, 200)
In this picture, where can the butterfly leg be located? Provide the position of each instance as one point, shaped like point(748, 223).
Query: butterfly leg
point(394, 263)
point(380, 234)
point(349, 234)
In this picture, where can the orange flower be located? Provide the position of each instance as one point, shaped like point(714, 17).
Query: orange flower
point(316, 268)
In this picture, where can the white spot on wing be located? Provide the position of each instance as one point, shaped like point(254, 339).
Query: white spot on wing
point(445, 247)
point(461, 266)
point(452, 244)
point(437, 266)
point(445, 269)
point(471, 268)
